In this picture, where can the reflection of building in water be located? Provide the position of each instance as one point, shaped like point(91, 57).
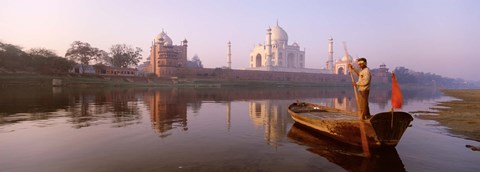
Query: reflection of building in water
point(56, 90)
point(273, 115)
point(229, 113)
point(167, 111)
point(344, 103)
point(168, 107)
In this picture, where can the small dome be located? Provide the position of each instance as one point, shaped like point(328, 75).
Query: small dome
point(279, 35)
point(344, 58)
point(165, 37)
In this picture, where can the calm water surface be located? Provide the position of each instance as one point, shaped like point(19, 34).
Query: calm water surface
point(206, 129)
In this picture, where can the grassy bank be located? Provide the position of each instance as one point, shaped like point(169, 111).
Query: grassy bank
point(462, 116)
point(29, 80)
point(25, 80)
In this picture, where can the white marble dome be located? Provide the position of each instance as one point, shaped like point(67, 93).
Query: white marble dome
point(166, 39)
point(279, 35)
point(344, 58)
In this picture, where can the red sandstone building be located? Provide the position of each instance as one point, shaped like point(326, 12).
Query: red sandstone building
point(165, 58)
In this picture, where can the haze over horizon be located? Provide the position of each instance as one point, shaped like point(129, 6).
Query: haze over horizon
point(435, 36)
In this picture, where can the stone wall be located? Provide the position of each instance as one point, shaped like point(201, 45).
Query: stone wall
point(231, 74)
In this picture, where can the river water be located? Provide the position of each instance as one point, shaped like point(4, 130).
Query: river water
point(207, 129)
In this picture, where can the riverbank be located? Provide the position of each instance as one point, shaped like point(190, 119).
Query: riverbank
point(462, 117)
point(75, 80)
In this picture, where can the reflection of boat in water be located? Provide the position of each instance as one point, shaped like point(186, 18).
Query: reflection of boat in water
point(346, 156)
point(381, 130)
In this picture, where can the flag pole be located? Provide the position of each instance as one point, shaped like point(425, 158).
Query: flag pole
point(391, 120)
point(397, 99)
point(392, 108)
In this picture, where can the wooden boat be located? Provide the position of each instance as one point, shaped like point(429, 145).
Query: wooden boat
point(381, 130)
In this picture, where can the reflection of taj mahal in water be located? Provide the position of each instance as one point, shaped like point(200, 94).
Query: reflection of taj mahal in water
point(275, 118)
point(170, 109)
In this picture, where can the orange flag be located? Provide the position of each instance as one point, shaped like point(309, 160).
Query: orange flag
point(397, 99)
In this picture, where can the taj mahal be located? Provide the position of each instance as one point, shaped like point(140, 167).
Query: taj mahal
point(277, 55)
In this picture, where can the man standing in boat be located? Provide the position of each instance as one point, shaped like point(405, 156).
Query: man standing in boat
point(363, 84)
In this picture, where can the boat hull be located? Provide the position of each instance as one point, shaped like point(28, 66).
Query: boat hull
point(380, 130)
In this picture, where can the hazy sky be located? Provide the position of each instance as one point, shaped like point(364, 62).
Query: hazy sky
point(437, 36)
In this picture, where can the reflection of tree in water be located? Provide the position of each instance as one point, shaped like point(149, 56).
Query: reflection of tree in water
point(83, 107)
point(27, 104)
point(195, 106)
point(81, 114)
point(93, 109)
point(125, 113)
point(124, 107)
point(419, 94)
point(382, 96)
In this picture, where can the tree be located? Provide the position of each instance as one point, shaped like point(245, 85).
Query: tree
point(10, 50)
point(103, 57)
point(405, 75)
point(62, 65)
point(38, 60)
point(124, 55)
point(12, 57)
point(82, 52)
point(46, 61)
point(100, 68)
point(42, 52)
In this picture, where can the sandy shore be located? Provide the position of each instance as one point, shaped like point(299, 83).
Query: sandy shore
point(462, 117)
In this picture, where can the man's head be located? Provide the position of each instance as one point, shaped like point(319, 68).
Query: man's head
point(362, 62)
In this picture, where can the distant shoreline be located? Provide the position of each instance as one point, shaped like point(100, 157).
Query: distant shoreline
point(75, 80)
